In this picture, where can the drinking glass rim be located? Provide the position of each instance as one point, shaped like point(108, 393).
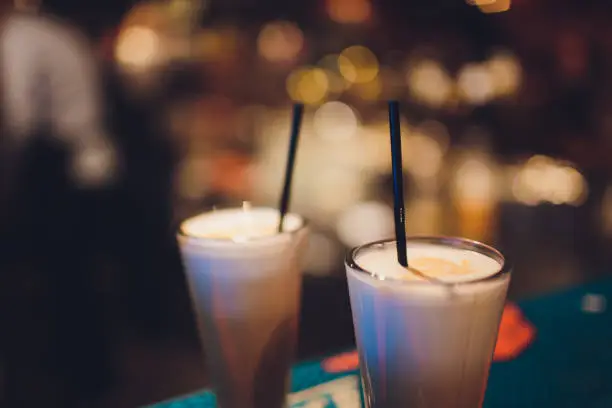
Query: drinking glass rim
point(182, 234)
point(453, 242)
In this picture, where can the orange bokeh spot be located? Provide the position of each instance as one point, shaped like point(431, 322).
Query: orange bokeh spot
point(515, 334)
point(342, 362)
point(349, 11)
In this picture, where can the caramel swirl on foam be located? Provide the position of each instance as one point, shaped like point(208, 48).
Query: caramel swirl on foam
point(436, 267)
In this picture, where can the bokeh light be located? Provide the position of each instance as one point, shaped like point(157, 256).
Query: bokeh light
point(429, 83)
point(337, 84)
point(475, 84)
point(506, 73)
point(474, 181)
point(475, 195)
point(138, 48)
point(593, 303)
point(374, 148)
point(308, 85)
point(321, 199)
point(357, 64)
point(335, 121)
point(496, 6)
point(606, 211)
point(336, 191)
point(96, 163)
point(280, 41)
point(422, 155)
point(349, 11)
point(423, 150)
point(365, 222)
point(424, 216)
point(543, 179)
point(368, 91)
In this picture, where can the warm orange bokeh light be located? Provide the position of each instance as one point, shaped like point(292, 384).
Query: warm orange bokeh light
point(495, 6)
point(138, 47)
point(358, 65)
point(349, 11)
point(280, 41)
point(308, 85)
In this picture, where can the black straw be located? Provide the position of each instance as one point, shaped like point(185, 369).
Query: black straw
point(296, 125)
point(398, 183)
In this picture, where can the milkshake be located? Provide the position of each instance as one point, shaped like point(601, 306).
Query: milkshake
point(426, 336)
point(244, 282)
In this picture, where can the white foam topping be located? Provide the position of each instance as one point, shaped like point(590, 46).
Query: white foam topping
point(444, 263)
point(239, 224)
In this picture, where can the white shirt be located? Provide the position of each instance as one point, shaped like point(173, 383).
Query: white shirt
point(49, 76)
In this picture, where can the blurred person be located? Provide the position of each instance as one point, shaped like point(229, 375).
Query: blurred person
point(55, 156)
point(136, 236)
point(140, 238)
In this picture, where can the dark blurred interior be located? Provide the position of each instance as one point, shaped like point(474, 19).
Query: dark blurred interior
point(507, 112)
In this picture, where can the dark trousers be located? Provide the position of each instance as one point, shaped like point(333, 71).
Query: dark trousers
point(142, 245)
point(53, 339)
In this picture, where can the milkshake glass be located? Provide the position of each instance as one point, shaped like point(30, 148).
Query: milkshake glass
point(426, 342)
point(244, 282)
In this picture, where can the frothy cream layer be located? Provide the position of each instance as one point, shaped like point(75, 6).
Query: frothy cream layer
point(238, 224)
point(444, 263)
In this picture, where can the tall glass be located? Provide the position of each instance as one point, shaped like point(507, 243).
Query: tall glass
point(244, 281)
point(426, 342)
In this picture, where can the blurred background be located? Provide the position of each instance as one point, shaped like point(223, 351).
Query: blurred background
point(507, 127)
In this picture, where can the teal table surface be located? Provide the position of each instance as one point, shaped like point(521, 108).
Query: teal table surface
point(569, 364)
